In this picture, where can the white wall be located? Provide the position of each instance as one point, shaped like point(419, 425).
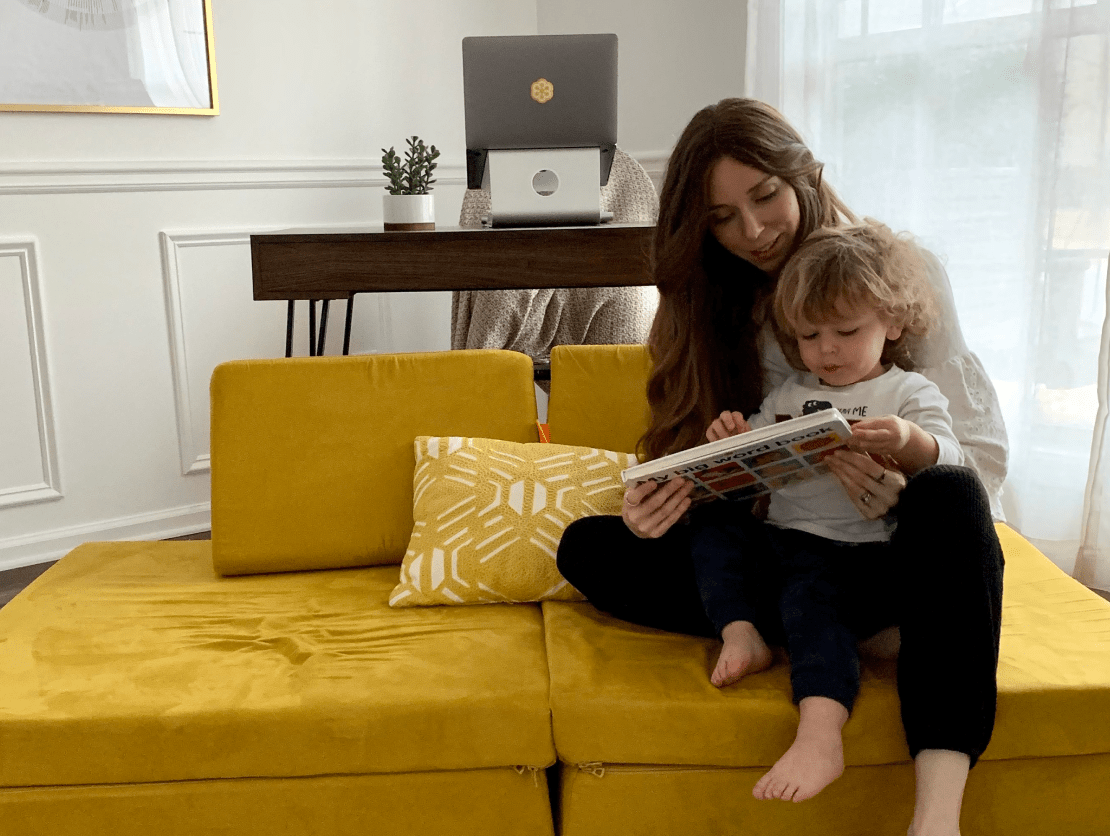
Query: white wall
point(124, 257)
point(125, 264)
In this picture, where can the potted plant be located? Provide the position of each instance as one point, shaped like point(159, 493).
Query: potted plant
point(409, 205)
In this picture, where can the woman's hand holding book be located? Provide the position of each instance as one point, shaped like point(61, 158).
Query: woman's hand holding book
point(650, 509)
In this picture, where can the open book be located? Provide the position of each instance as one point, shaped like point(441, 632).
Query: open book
point(754, 463)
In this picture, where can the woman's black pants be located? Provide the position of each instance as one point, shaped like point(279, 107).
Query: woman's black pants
point(942, 588)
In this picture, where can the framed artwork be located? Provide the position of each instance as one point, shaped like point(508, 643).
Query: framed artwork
point(108, 56)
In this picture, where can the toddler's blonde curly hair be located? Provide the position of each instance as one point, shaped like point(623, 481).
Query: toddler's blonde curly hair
point(858, 265)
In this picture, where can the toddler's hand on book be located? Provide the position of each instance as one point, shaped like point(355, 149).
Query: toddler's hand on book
point(911, 447)
point(887, 435)
point(727, 424)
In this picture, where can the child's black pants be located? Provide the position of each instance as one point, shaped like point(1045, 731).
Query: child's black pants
point(797, 588)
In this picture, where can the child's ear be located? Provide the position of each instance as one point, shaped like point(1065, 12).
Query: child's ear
point(894, 331)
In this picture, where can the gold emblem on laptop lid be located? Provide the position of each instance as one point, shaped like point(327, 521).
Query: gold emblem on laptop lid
point(542, 90)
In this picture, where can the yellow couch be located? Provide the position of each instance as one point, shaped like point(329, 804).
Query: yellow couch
point(261, 684)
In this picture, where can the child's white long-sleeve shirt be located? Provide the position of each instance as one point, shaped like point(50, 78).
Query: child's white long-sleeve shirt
point(820, 505)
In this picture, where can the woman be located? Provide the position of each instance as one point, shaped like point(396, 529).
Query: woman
point(741, 192)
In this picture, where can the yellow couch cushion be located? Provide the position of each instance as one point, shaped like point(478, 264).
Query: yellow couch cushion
point(490, 802)
point(134, 662)
point(1059, 796)
point(312, 457)
point(599, 395)
point(489, 515)
point(627, 694)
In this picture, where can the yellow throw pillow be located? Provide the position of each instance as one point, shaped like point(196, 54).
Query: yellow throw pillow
point(489, 514)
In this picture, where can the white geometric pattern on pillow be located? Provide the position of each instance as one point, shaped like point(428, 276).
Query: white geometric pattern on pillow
point(488, 516)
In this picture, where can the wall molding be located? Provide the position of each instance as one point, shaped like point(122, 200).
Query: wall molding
point(69, 177)
point(193, 460)
point(25, 250)
point(44, 546)
point(76, 176)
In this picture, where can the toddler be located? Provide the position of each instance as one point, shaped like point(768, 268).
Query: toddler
point(848, 307)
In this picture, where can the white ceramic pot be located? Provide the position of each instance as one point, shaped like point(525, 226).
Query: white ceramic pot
point(406, 212)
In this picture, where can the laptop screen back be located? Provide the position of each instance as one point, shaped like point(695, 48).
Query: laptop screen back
point(539, 91)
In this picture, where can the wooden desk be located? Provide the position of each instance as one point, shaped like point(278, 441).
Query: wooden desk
point(337, 264)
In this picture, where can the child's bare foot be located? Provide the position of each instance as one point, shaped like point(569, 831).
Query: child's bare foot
point(815, 759)
point(744, 652)
point(807, 768)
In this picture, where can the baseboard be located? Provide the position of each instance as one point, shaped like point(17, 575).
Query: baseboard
point(50, 545)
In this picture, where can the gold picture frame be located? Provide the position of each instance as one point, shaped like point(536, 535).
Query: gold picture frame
point(108, 56)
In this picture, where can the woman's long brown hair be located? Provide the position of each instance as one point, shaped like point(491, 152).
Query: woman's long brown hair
point(704, 342)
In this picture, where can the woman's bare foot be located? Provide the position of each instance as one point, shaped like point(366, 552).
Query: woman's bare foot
point(815, 759)
point(744, 652)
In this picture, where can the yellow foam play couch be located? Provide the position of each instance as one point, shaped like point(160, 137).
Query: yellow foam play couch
point(263, 684)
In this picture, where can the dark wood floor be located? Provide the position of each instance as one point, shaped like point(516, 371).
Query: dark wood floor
point(13, 581)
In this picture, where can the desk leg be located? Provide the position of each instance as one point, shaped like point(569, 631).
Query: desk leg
point(311, 327)
point(347, 325)
point(289, 329)
point(323, 327)
point(315, 346)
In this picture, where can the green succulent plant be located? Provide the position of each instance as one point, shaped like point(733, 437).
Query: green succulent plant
point(413, 175)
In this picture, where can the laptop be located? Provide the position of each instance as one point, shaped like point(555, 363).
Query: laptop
point(545, 108)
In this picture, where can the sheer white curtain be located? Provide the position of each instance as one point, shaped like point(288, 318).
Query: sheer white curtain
point(983, 127)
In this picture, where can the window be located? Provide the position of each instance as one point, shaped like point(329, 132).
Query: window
point(983, 127)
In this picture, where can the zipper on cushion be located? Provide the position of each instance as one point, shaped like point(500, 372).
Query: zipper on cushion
point(535, 770)
point(598, 769)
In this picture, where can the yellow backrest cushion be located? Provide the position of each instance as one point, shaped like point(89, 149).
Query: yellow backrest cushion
point(489, 515)
point(312, 458)
point(599, 395)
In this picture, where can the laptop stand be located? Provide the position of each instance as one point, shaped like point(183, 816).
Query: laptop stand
point(544, 187)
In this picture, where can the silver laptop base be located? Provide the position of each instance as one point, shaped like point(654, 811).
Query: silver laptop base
point(544, 187)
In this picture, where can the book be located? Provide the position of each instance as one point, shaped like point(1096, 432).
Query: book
point(753, 463)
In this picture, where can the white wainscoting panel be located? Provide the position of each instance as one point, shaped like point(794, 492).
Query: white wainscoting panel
point(212, 317)
point(28, 450)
